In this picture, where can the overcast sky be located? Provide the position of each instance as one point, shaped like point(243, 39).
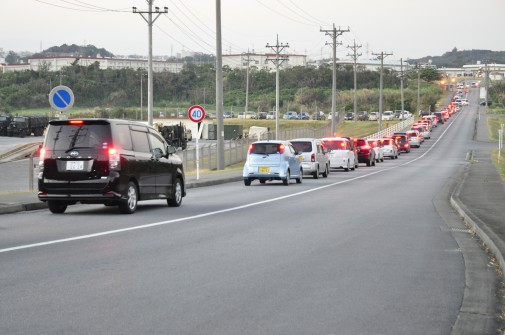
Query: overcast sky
point(406, 28)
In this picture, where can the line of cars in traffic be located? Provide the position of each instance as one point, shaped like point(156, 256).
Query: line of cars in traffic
point(293, 159)
point(289, 115)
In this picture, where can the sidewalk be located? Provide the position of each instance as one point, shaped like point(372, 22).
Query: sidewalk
point(480, 197)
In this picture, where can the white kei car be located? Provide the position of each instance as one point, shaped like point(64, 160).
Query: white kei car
point(340, 152)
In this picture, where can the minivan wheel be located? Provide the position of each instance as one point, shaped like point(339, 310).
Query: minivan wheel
point(316, 173)
point(247, 182)
point(57, 207)
point(129, 205)
point(176, 198)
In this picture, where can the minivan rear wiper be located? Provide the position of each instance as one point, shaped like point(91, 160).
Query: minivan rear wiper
point(73, 148)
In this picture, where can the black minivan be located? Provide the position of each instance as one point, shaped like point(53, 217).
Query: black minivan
point(111, 162)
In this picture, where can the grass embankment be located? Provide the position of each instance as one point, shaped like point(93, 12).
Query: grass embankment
point(347, 128)
point(494, 124)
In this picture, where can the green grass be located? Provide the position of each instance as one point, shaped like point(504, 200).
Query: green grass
point(499, 162)
point(493, 124)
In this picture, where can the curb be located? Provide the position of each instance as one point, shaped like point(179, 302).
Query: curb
point(31, 206)
point(195, 184)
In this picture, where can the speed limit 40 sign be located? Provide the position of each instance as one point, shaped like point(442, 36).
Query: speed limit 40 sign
point(196, 113)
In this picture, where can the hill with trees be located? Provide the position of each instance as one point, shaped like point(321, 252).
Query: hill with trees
point(456, 58)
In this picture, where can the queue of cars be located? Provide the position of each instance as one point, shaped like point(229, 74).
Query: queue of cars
point(287, 160)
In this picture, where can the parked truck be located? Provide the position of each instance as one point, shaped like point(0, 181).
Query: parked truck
point(176, 134)
point(21, 126)
point(5, 120)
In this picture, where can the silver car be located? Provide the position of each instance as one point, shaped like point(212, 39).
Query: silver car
point(272, 160)
point(315, 160)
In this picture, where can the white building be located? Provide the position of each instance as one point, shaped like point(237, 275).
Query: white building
point(261, 61)
point(375, 64)
point(56, 63)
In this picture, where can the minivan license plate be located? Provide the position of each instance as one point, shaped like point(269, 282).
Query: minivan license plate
point(75, 165)
point(264, 169)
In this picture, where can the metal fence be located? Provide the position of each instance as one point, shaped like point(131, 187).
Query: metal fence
point(235, 151)
point(399, 127)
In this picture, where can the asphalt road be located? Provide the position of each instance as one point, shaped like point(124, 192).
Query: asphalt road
point(373, 251)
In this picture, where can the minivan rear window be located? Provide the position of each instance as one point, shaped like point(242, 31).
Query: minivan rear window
point(72, 136)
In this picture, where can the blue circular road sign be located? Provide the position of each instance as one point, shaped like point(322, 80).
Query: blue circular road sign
point(61, 98)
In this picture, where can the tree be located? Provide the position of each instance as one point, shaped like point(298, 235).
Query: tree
point(12, 58)
point(429, 74)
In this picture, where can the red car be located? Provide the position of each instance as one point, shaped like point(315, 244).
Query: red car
point(366, 154)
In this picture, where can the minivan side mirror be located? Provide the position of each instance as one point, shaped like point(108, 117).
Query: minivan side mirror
point(157, 153)
point(171, 150)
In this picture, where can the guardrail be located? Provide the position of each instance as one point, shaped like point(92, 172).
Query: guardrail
point(399, 127)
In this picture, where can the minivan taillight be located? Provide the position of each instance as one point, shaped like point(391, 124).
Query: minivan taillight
point(114, 159)
point(313, 157)
point(42, 155)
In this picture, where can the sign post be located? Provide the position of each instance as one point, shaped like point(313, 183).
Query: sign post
point(196, 114)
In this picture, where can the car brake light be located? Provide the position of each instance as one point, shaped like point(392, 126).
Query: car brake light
point(281, 148)
point(114, 159)
point(42, 155)
point(313, 158)
point(250, 148)
point(76, 122)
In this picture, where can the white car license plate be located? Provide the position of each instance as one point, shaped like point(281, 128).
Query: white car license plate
point(75, 165)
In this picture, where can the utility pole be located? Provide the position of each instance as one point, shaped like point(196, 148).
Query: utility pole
point(219, 89)
point(334, 33)
point(246, 59)
point(277, 61)
point(401, 87)
point(381, 57)
point(355, 56)
point(418, 88)
point(150, 21)
point(141, 75)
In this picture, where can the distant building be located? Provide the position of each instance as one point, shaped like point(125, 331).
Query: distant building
point(55, 64)
point(239, 61)
point(375, 64)
point(496, 71)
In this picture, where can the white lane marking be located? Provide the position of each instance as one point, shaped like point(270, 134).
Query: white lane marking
point(199, 216)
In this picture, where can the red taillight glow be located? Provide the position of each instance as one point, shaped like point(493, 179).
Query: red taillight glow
point(250, 148)
point(76, 122)
point(114, 159)
point(281, 148)
point(313, 157)
point(42, 153)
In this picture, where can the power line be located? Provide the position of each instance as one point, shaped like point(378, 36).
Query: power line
point(281, 14)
